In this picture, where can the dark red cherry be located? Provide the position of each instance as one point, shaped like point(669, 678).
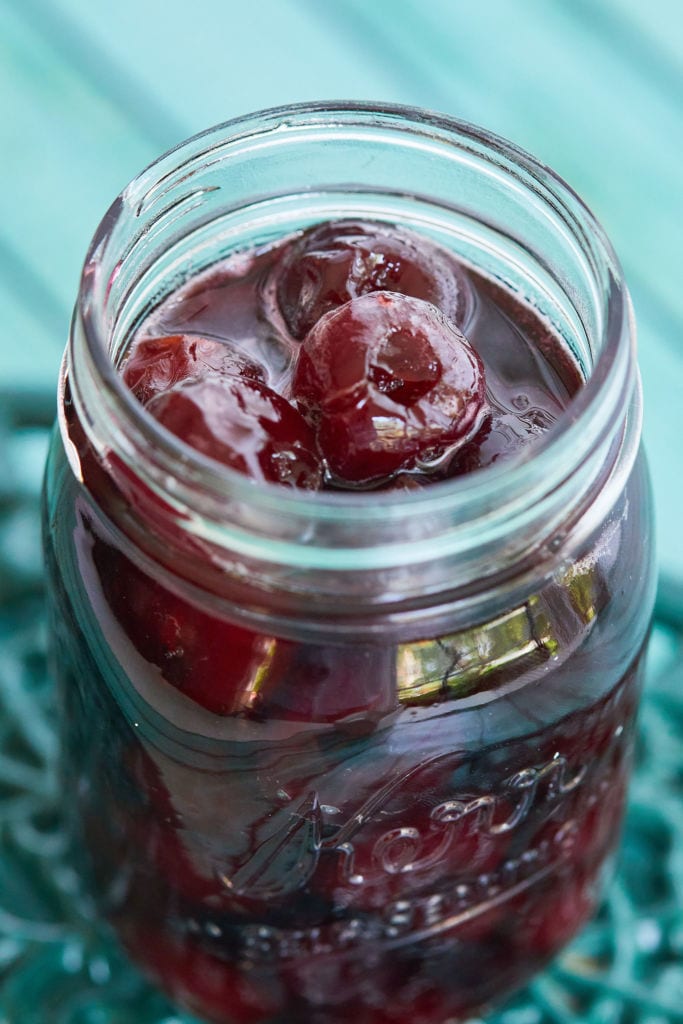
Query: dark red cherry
point(214, 663)
point(156, 365)
point(317, 683)
point(206, 985)
point(549, 924)
point(388, 380)
point(334, 262)
point(245, 425)
point(153, 834)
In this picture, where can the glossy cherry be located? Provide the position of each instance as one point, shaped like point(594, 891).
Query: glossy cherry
point(157, 364)
point(388, 382)
point(332, 263)
point(204, 983)
point(246, 426)
point(214, 663)
point(318, 683)
point(230, 670)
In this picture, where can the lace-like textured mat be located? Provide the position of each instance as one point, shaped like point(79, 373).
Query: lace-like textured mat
point(56, 967)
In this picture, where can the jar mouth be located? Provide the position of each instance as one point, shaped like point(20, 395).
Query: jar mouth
point(467, 504)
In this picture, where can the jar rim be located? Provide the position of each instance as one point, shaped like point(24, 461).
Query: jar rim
point(521, 475)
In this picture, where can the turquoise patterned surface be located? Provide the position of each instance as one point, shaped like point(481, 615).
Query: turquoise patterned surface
point(89, 93)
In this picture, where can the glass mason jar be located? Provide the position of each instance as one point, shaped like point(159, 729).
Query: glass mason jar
point(421, 816)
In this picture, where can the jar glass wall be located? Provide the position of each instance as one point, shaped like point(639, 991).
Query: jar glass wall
point(348, 754)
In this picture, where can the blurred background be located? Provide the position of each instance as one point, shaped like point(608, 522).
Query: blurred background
point(92, 92)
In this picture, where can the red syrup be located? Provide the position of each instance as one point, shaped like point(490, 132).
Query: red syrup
point(386, 855)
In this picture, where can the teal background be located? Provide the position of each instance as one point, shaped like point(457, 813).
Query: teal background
point(89, 94)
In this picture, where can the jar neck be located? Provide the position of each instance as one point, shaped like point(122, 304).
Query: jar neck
point(341, 556)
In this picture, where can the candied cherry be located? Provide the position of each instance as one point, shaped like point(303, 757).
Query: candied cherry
point(157, 364)
point(145, 847)
point(214, 663)
point(230, 670)
point(388, 382)
point(551, 921)
point(203, 983)
point(245, 425)
point(329, 684)
point(334, 262)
